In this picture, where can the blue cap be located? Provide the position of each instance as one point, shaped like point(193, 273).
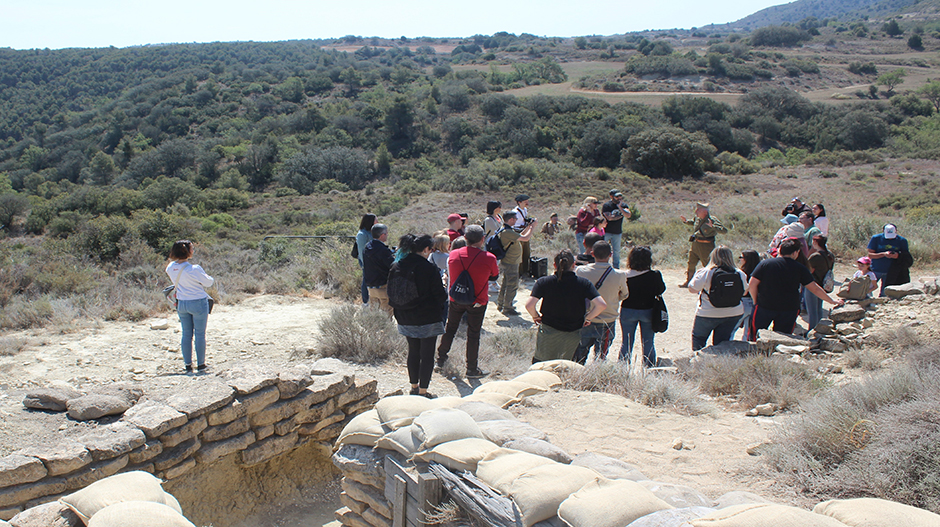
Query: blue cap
point(789, 218)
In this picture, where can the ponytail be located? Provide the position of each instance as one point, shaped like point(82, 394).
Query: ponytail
point(563, 262)
point(409, 244)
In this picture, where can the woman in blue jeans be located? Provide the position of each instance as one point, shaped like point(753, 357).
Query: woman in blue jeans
point(644, 285)
point(192, 302)
point(363, 237)
point(717, 316)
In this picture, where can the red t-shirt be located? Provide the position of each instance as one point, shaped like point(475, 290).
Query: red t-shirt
point(480, 264)
point(454, 234)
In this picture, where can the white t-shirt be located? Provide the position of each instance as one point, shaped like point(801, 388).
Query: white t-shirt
point(191, 281)
point(822, 223)
point(702, 282)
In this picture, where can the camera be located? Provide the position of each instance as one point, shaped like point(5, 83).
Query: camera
point(529, 221)
point(692, 238)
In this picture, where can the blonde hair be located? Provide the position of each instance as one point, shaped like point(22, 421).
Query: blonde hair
point(722, 257)
point(587, 201)
point(440, 242)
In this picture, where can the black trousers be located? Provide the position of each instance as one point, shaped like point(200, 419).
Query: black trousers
point(474, 328)
point(421, 360)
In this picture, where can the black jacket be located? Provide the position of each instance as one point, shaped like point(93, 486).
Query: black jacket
point(376, 261)
point(900, 271)
point(643, 288)
point(431, 294)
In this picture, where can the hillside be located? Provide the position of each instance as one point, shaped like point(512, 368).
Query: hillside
point(843, 10)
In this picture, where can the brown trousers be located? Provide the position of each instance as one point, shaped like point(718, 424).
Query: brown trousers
point(699, 252)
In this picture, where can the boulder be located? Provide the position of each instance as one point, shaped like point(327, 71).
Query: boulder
point(847, 313)
point(903, 290)
point(53, 514)
point(769, 340)
point(729, 347)
point(53, 399)
point(113, 440)
point(61, 457)
point(825, 327)
point(792, 350)
point(95, 406)
point(17, 470)
point(154, 418)
point(833, 345)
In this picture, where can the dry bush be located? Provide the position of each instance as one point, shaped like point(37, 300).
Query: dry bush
point(10, 346)
point(878, 438)
point(864, 358)
point(756, 379)
point(361, 334)
point(654, 390)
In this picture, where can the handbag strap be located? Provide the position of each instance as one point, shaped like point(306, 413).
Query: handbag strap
point(600, 282)
point(176, 283)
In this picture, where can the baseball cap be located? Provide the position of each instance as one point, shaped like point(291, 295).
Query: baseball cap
point(454, 217)
point(522, 197)
point(789, 218)
point(864, 260)
point(796, 199)
point(891, 231)
point(614, 192)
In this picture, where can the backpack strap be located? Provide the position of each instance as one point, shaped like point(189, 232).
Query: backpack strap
point(597, 285)
point(471, 263)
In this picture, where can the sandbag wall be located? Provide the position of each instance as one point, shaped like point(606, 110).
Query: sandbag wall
point(253, 411)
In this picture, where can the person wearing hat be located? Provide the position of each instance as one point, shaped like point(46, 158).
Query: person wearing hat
point(522, 221)
point(586, 220)
point(795, 207)
point(615, 211)
point(704, 228)
point(509, 265)
point(885, 249)
point(551, 227)
point(864, 269)
point(455, 226)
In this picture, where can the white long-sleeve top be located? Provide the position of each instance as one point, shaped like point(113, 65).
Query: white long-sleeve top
point(191, 281)
point(702, 281)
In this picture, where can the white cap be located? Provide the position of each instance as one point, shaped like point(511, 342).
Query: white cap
point(891, 232)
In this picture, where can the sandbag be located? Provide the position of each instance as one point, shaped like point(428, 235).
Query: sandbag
point(540, 490)
point(171, 501)
point(496, 399)
point(480, 411)
point(364, 429)
point(441, 425)
point(608, 467)
point(738, 497)
point(462, 454)
point(557, 366)
point(679, 496)
point(504, 431)
point(502, 466)
point(134, 486)
point(539, 448)
point(609, 503)
point(514, 389)
point(138, 514)
point(764, 515)
point(402, 441)
point(400, 410)
point(543, 379)
point(874, 512)
point(671, 517)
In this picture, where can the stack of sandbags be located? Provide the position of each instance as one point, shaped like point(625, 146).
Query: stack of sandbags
point(131, 499)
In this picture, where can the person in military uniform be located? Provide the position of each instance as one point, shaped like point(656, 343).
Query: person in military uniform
point(704, 228)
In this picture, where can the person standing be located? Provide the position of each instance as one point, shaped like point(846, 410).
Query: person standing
point(363, 237)
point(612, 286)
point(192, 302)
point(523, 221)
point(455, 226)
point(482, 268)
point(644, 285)
point(775, 289)
point(615, 211)
point(493, 220)
point(420, 317)
point(821, 262)
point(563, 312)
point(587, 257)
point(376, 261)
point(599, 223)
point(884, 249)
point(820, 219)
point(585, 220)
point(809, 229)
point(719, 320)
point(704, 228)
point(795, 207)
point(509, 265)
point(748, 262)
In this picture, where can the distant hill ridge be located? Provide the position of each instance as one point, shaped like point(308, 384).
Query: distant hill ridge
point(842, 9)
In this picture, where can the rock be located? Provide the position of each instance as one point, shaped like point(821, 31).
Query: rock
point(248, 378)
point(766, 409)
point(755, 449)
point(154, 417)
point(676, 444)
point(866, 323)
point(768, 340)
point(361, 460)
point(17, 470)
point(738, 497)
point(833, 345)
point(202, 395)
point(53, 399)
point(752, 412)
point(160, 324)
point(292, 381)
point(678, 496)
point(729, 347)
point(268, 448)
point(62, 457)
point(825, 327)
point(608, 467)
point(53, 514)
point(796, 359)
point(539, 448)
point(903, 290)
point(798, 350)
point(94, 406)
point(113, 440)
point(847, 313)
point(671, 517)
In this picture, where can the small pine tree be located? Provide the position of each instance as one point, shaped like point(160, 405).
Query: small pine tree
point(383, 160)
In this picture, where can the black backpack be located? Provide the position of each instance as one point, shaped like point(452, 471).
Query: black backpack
point(726, 289)
point(495, 247)
point(402, 289)
point(462, 290)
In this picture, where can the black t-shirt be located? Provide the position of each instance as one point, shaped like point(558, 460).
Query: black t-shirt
point(780, 281)
point(564, 301)
point(613, 226)
point(584, 259)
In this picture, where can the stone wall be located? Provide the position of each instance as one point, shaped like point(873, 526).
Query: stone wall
point(250, 413)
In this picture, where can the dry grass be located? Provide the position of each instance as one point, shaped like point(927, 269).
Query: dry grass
point(505, 354)
point(756, 380)
point(654, 390)
point(10, 346)
point(361, 334)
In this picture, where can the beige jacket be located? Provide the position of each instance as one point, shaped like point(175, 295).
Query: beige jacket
point(613, 290)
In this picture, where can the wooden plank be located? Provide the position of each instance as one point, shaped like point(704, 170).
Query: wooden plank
point(399, 500)
point(477, 498)
point(428, 496)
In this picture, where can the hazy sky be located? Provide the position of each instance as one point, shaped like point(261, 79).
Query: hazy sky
point(93, 23)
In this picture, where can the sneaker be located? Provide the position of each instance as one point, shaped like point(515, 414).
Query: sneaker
point(476, 373)
point(201, 367)
point(188, 368)
point(439, 365)
point(510, 312)
point(414, 391)
point(429, 395)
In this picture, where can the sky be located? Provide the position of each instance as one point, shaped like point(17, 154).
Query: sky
point(55, 24)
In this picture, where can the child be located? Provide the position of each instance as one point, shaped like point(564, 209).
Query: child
point(864, 269)
point(599, 224)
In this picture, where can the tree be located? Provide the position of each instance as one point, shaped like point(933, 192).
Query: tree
point(892, 79)
point(931, 92)
point(580, 42)
point(292, 89)
point(892, 28)
point(668, 152)
point(399, 126)
point(915, 42)
point(11, 206)
point(304, 170)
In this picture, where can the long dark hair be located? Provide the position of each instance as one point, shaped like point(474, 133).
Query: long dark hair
point(563, 262)
point(411, 244)
point(822, 210)
point(368, 220)
point(751, 259)
point(181, 250)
